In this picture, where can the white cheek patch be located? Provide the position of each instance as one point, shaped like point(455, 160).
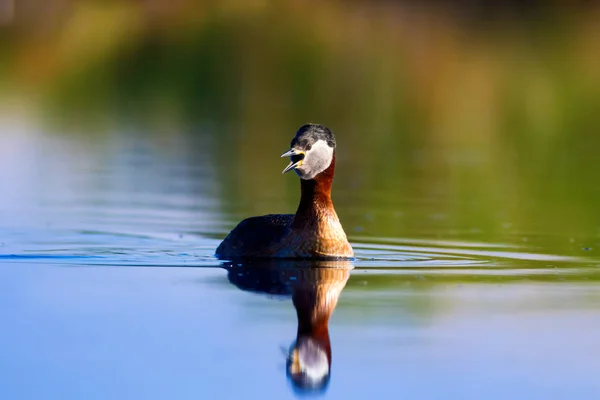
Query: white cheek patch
point(316, 160)
point(317, 368)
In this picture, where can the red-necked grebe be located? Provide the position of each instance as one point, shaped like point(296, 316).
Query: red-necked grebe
point(315, 230)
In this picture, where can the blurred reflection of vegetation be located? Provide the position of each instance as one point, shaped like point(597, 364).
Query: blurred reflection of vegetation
point(428, 278)
point(446, 126)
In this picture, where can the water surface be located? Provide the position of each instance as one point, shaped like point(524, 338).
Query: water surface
point(109, 289)
point(134, 136)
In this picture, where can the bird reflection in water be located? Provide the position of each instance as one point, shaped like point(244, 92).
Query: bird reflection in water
point(314, 287)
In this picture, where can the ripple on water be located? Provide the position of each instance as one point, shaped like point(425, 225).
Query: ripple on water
point(378, 256)
point(453, 261)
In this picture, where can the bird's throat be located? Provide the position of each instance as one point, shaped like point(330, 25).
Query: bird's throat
point(315, 198)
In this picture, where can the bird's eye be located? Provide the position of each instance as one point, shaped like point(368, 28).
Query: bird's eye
point(308, 147)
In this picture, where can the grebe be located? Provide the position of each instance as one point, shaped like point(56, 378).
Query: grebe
point(315, 287)
point(315, 230)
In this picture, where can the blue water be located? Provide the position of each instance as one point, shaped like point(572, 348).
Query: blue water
point(109, 290)
point(75, 331)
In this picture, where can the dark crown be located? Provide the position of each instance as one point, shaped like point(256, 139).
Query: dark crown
point(310, 133)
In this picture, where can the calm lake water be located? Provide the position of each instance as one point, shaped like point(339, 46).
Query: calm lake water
point(109, 288)
point(135, 135)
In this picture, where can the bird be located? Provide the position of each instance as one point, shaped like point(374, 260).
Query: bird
point(314, 231)
point(314, 287)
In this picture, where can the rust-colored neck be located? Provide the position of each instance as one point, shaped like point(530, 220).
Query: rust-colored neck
point(315, 298)
point(314, 310)
point(315, 195)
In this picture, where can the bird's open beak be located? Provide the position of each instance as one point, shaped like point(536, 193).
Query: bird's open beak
point(295, 364)
point(297, 158)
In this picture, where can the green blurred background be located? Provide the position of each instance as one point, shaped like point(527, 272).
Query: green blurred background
point(460, 119)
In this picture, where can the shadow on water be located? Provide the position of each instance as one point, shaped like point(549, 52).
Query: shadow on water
point(314, 287)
